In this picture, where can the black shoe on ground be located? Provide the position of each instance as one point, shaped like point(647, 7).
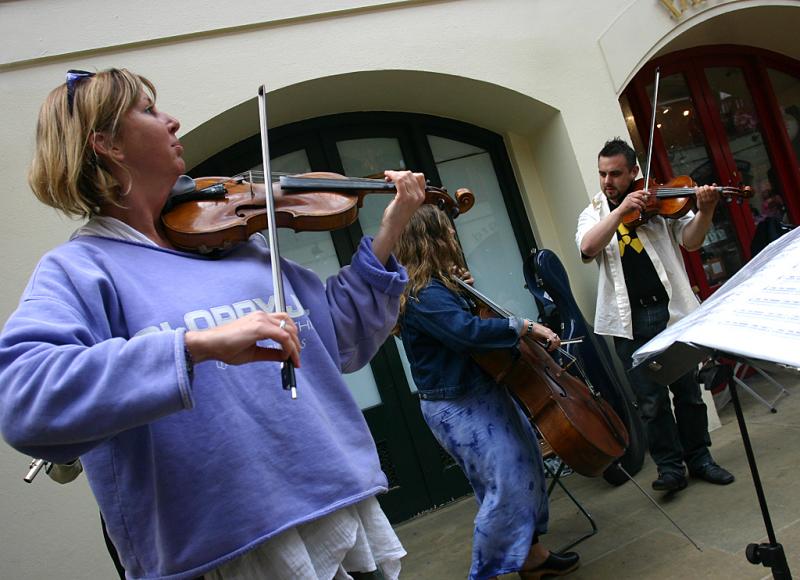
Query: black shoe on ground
point(670, 481)
point(713, 473)
point(555, 565)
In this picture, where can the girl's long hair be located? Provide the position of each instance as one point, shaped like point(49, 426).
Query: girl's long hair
point(429, 251)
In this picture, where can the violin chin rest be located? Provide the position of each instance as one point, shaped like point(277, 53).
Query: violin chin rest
point(184, 184)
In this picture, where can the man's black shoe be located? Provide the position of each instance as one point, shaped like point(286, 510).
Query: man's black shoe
point(713, 473)
point(670, 481)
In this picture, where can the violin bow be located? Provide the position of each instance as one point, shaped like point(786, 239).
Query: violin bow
point(652, 130)
point(287, 367)
point(646, 183)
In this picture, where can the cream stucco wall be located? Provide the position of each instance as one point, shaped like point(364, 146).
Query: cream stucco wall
point(545, 75)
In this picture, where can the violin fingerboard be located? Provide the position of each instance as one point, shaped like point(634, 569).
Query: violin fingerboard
point(313, 184)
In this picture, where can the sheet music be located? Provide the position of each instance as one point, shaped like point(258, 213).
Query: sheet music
point(755, 314)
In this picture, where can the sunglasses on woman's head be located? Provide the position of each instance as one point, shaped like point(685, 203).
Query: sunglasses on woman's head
point(73, 76)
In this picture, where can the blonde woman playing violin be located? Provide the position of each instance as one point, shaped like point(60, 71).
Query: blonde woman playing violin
point(160, 369)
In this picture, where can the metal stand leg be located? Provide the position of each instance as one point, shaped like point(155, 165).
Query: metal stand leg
point(556, 480)
point(769, 555)
point(769, 404)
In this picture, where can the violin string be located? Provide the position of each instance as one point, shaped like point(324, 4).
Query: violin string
point(255, 174)
point(286, 174)
point(691, 189)
point(670, 192)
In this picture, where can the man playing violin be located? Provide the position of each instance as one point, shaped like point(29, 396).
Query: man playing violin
point(643, 287)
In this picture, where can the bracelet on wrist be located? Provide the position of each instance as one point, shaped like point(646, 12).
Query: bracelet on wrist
point(529, 328)
point(189, 362)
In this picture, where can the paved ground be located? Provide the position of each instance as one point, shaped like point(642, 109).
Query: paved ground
point(634, 539)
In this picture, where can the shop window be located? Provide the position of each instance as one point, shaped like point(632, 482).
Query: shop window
point(731, 116)
point(744, 135)
point(787, 90)
point(687, 149)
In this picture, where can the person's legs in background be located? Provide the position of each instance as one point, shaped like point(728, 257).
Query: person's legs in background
point(663, 436)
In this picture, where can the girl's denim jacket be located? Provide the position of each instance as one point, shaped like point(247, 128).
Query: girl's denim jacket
point(439, 331)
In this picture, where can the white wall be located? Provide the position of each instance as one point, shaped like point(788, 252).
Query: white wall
point(201, 75)
point(537, 72)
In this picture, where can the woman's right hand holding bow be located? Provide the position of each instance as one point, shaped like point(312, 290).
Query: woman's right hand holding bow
point(235, 343)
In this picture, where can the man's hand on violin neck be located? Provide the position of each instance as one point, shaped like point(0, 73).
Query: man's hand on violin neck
point(707, 197)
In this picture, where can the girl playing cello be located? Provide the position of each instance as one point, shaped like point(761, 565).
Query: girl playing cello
point(474, 419)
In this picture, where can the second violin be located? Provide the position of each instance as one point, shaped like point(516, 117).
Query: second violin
point(674, 199)
point(218, 212)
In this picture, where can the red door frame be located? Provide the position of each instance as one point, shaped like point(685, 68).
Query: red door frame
point(754, 63)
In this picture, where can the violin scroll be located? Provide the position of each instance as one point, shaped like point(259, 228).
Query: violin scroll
point(465, 199)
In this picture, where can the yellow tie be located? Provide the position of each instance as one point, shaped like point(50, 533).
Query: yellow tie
point(626, 240)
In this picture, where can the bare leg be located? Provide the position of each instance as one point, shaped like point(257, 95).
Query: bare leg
point(536, 556)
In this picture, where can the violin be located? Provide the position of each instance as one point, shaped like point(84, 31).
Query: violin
point(218, 212)
point(580, 426)
point(675, 199)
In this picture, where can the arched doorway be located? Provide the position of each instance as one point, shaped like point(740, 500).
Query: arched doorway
point(727, 115)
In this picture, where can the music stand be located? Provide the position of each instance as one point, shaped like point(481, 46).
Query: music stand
point(770, 554)
point(754, 318)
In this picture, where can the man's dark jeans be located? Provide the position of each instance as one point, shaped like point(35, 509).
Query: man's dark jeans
point(672, 440)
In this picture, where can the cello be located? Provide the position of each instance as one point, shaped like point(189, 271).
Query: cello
point(546, 279)
point(580, 426)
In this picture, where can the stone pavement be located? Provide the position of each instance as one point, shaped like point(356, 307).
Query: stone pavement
point(634, 540)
